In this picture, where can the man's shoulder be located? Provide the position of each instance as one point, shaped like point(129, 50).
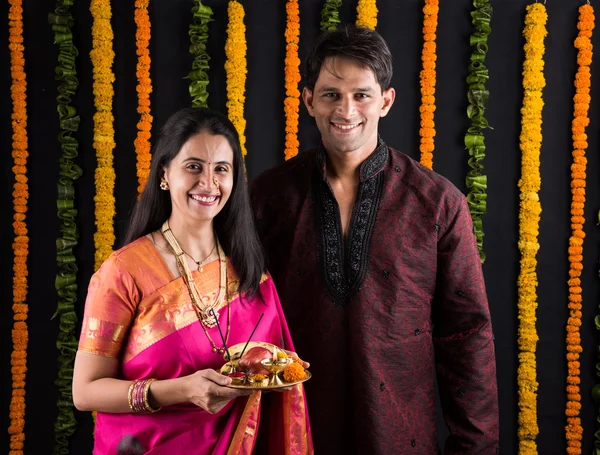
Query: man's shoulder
point(423, 181)
point(285, 175)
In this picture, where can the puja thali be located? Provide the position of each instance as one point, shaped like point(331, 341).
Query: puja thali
point(263, 366)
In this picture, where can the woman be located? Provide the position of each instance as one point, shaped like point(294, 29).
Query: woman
point(150, 345)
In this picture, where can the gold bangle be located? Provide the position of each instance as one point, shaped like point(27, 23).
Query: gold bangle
point(130, 395)
point(146, 392)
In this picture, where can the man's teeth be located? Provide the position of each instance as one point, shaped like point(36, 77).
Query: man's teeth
point(204, 199)
point(345, 127)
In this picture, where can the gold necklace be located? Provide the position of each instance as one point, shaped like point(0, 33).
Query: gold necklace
point(203, 312)
point(200, 264)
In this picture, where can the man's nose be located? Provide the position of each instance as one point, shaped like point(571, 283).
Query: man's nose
point(346, 108)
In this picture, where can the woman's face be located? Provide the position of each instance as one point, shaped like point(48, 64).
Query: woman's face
point(200, 178)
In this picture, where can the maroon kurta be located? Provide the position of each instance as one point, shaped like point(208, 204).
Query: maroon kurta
point(370, 312)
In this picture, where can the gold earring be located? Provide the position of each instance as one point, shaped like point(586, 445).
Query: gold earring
point(164, 185)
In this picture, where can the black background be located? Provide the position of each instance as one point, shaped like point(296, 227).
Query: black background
point(400, 22)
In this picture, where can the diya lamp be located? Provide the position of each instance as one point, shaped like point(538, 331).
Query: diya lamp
point(275, 366)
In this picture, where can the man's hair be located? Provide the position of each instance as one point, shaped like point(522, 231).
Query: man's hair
point(366, 47)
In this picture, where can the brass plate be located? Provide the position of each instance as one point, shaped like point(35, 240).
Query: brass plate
point(235, 352)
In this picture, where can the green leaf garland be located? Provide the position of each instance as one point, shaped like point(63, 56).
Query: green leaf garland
point(478, 96)
point(202, 15)
point(330, 16)
point(62, 21)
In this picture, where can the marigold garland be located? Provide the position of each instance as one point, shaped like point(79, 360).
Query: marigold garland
point(581, 101)
point(202, 15)
point(428, 82)
point(330, 16)
point(478, 96)
point(66, 279)
point(367, 14)
point(292, 78)
point(102, 56)
point(235, 67)
point(529, 219)
point(20, 333)
point(144, 88)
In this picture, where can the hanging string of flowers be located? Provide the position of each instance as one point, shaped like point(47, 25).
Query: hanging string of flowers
point(20, 333)
point(144, 88)
point(581, 101)
point(529, 220)
point(102, 56)
point(292, 78)
point(330, 16)
point(201, 16)
point(66, 279)
point(478, 95)
point(367, 14)
point(235, 67)
point(428, 82)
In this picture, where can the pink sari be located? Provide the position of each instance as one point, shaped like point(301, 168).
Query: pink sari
point(138, 312)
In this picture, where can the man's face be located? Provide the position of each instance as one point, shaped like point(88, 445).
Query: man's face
point(347, 103)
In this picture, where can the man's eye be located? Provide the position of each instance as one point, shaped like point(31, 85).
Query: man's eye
point(330, 95)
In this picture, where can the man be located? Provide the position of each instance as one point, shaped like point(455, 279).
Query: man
point(378, 272)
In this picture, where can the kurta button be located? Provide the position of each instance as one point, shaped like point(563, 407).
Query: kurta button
point(413, 443)
point(461, 393)
point(382, 386)
point(436, 227)
point(417, 331)
point(386, 273)
point(460, 293)
point(497, 450)
point(397, 168)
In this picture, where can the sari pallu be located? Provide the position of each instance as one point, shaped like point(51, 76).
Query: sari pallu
point(137, 311)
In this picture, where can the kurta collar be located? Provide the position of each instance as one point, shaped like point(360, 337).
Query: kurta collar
point(370, 167)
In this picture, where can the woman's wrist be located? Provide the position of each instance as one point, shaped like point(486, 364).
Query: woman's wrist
point(168, 392)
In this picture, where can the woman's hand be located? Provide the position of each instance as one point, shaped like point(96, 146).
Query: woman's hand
point(206, 389)
point(292, 354)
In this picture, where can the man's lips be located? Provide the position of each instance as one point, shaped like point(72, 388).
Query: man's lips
point(345, 127)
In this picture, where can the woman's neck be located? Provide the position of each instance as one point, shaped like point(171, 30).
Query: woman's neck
point(197, 240)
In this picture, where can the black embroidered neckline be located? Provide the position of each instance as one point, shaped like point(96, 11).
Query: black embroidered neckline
point(374, 163)
point(344, 267)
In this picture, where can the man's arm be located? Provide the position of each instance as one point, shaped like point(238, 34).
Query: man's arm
point(463, 339)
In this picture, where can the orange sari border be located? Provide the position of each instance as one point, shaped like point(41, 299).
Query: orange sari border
point(245, 434)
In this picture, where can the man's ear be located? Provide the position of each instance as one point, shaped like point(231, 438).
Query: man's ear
point(389, 96)
point(307, 97)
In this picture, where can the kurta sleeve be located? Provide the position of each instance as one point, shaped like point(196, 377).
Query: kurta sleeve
point(109, 309)
point(463, 339)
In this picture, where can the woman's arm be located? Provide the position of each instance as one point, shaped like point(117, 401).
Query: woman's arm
point(95, 387)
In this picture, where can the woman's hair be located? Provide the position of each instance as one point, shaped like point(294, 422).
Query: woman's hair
point(234, 224)
point(364, 46)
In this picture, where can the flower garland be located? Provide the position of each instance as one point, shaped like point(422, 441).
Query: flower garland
point(235, 67)
point(330, 16)
point(581, 100)
point(367, 14)
point(529, 219)
point(20, 334)
point(102, 56)
point(292, 78)
point(202, 15)
point(478, 96)
point(66, 279)
point(428, 81)
point(144, 88)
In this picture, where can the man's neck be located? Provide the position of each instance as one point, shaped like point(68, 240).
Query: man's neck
point(346, 165)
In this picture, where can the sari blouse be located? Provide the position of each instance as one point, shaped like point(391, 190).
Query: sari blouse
point(138, 312)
